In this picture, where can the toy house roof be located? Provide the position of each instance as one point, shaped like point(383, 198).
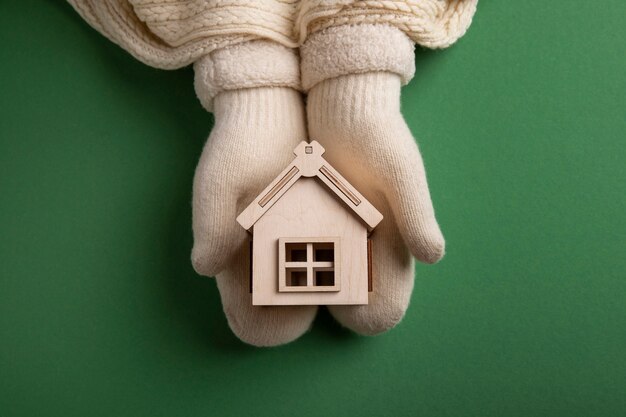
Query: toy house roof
point(309, 163)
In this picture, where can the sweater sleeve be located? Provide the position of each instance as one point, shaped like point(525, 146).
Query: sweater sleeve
point(171, 34)
point(430, 23)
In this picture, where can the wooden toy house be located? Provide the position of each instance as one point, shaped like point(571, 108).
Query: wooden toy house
point(310, 232)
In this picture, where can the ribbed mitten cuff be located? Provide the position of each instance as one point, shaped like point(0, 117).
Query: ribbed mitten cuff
point(356, 49)
point(246, 65)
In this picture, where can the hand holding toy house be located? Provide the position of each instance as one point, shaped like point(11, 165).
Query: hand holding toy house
point(310, 236)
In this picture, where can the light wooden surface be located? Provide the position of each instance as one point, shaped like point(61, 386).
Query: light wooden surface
point(308, 212)
point(310, 163)
point(310, 265)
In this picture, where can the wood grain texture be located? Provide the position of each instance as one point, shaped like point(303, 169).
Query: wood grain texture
point(309, 213)
point(310, 163)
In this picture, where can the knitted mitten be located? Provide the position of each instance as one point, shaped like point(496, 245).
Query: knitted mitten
point(259, 120)
point(354, 75)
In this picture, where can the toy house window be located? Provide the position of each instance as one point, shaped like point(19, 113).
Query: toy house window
point(308, 264)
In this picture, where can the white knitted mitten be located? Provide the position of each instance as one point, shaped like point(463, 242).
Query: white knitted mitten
point(354, 75)
point(259, 120)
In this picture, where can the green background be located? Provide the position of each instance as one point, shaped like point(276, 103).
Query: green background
point(522, 125)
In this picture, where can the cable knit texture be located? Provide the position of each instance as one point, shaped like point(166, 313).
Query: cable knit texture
point(173, 33)
point(356, 55)
point(246, 65)
point(430, 23)
point(340, 50)
point(179, 22)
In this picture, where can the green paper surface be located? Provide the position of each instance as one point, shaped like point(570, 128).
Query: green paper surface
point(522, 126)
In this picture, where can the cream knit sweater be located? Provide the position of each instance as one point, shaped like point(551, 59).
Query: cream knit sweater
point(173, 33)
point(250, 59)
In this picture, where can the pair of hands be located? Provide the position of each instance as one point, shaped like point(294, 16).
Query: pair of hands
point(354, 57)
point(356, 117)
